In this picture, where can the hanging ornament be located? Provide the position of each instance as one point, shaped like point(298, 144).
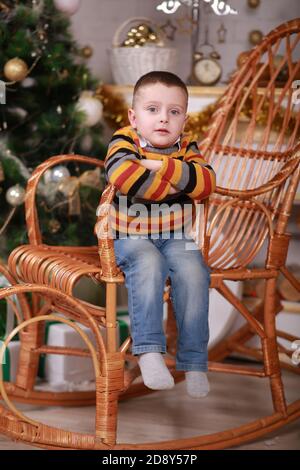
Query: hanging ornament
point(222, 33)
point(253, 3)
point(7, 12)
point(4, 8)
point(15, 69)
point(15, 195)
point(64, 74)
point(92, 108)
point(69, 7)
point(41, 33)
point(54, 226)
point(255, 37)
point(87, 52)
point(59, 174)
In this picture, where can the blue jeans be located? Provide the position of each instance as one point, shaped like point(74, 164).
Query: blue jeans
point(147, 263)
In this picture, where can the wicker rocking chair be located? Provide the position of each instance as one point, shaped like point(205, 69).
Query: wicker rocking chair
point(258, 174)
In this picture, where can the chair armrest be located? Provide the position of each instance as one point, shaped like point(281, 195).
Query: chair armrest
point(103, 231)
point(288, 168)
point(32, 222)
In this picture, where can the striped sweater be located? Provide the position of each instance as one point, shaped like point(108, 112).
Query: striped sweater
point(142, 205)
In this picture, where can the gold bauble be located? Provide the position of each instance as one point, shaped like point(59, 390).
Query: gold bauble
point(63, 74)
point(142, 28)
point(87, 52)
point(54, 226)
point(141, 41)
point(255, 37)
point(152, 37)
point(253, 3)
point(15, 70)
point(41, 35)
point(4, 8)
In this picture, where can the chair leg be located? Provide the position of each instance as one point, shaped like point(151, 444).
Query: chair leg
point(111, 316)
point(28, 365)
point(108, 388)
point(270, 348)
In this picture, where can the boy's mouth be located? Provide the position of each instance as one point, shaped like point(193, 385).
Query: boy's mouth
point(162, 131)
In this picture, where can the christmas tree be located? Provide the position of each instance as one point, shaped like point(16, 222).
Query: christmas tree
point(47, 108)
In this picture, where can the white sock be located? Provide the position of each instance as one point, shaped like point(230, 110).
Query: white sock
point(197, 384)
point(154, 371)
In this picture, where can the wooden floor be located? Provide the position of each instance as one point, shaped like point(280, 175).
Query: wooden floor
point(165, 415)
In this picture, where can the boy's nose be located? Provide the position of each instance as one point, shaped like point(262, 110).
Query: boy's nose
point(164, 118)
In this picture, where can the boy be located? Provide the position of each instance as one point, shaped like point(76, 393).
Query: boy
point(152, 161)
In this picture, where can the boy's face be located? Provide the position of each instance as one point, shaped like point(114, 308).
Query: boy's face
point(159, 113)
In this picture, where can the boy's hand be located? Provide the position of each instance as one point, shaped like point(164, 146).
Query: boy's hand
point(173, 190)
point(153, 165)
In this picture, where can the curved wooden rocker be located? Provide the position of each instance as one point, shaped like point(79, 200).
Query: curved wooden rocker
point(258, 174)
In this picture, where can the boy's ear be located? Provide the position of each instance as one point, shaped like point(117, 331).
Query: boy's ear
point(131, 117)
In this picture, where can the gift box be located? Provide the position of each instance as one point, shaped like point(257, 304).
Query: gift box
point(124, 324)
point(59, 368)
point(62, 368)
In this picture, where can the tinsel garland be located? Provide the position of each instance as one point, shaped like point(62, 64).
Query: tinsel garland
point(115, 111)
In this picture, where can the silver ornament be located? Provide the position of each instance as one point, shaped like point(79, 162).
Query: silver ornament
point(15, 195)
point(91, 107)
point(59, 174)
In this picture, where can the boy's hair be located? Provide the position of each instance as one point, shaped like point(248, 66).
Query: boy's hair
point(166, 78)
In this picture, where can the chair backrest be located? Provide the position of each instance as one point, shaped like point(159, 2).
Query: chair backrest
point(262, 115)
point(251, 143)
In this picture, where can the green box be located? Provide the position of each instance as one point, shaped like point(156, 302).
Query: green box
point(124, 324)
point(6, 366)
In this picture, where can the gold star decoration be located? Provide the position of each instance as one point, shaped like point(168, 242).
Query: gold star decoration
point(169, 30)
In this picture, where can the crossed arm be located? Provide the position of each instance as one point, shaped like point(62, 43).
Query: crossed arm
point(155, 179)
point(155, 165)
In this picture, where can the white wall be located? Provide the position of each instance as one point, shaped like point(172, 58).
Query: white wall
point(97, 20)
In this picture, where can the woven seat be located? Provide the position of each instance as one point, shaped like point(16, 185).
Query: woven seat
point(245, 220)
point(55, 266)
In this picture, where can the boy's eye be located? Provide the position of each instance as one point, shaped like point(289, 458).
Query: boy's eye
point(152, 109)
point(175, 112)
